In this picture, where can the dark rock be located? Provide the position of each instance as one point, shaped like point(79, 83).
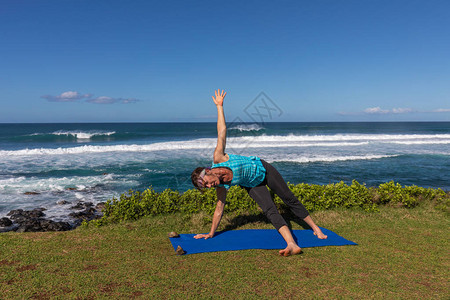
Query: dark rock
point(37, 213)
point(21, 229)
point(33, 220)
point(37, 225)
point(20, 214)
point(173, 234)
point(100, 206)
point(5, 222)
point(78, 206)
point(29, 225)
point(62, 202)
point(15, 211)
point(9, 228)
point(82, 205)
point(180, 251)
point(88, 214)
point(49, 225)
point(19, 219)
point(31, 193)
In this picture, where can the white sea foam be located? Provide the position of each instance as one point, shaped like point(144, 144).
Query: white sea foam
point(271, 141)
point(166, 146)
point(84, 135)
point(347, 137)
point(80, 135)
point(306, 159)
point(246, 127)
point(46, 192)
point(439, 142)
point(20, 185)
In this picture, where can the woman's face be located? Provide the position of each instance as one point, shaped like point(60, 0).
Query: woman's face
point(210, 179)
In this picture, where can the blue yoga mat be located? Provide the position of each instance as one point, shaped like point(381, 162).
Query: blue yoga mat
point(255, 239)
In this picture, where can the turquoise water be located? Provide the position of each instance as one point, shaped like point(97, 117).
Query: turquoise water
point(94, 162)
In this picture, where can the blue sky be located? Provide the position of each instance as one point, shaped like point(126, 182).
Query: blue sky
point(160, 61)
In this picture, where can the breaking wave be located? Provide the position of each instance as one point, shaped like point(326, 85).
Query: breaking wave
point(264, 141)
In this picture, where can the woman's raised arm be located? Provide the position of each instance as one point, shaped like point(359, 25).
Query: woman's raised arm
point(219, 152)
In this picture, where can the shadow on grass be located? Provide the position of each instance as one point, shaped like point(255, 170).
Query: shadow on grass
point(241, 220)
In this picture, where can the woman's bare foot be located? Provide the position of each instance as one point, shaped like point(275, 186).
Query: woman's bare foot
point(291, 249)
point(315, 228)
point(320, 234)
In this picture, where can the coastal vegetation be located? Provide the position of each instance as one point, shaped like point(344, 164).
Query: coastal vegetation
point(135, 204)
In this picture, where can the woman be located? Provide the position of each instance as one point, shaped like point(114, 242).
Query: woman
point(253, 174)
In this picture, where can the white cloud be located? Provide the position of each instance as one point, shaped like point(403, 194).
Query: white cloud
point(375, 110)
point(102, 100)
point(69, 96)
point(378, 110)
point(402, 110)
point(110, 100)
point(131, 100)
point(72, 96)
point(441, 110)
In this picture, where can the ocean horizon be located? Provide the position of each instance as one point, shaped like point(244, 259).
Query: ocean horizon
point(44, 163)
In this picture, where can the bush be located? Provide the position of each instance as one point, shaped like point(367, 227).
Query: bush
point(394, 194)
point(134, 204)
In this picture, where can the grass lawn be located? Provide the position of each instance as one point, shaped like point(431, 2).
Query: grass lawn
point(402, 254)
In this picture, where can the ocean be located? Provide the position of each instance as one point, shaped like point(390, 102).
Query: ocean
point(42, 164)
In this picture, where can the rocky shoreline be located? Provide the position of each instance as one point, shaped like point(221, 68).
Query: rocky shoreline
point(20, 220)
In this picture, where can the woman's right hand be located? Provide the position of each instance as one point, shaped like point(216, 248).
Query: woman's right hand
point(203, 236)
point(219, 97)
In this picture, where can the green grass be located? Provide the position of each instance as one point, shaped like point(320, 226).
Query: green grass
point(402, 254)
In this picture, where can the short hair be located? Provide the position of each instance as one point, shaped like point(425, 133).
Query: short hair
point(195, 176)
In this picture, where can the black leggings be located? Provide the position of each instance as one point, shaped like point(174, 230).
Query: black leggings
point(262, 196)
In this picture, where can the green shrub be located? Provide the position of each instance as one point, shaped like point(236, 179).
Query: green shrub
point(322, 197)
point(238, 200)
point(393, 193)
point(134, 204)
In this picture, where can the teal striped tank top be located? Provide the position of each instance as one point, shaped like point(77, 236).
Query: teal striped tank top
point(248, 171)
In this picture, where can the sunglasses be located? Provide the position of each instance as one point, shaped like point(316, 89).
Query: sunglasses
point(201, 176)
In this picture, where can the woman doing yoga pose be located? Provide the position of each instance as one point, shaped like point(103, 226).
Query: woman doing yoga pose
point(252, 174)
